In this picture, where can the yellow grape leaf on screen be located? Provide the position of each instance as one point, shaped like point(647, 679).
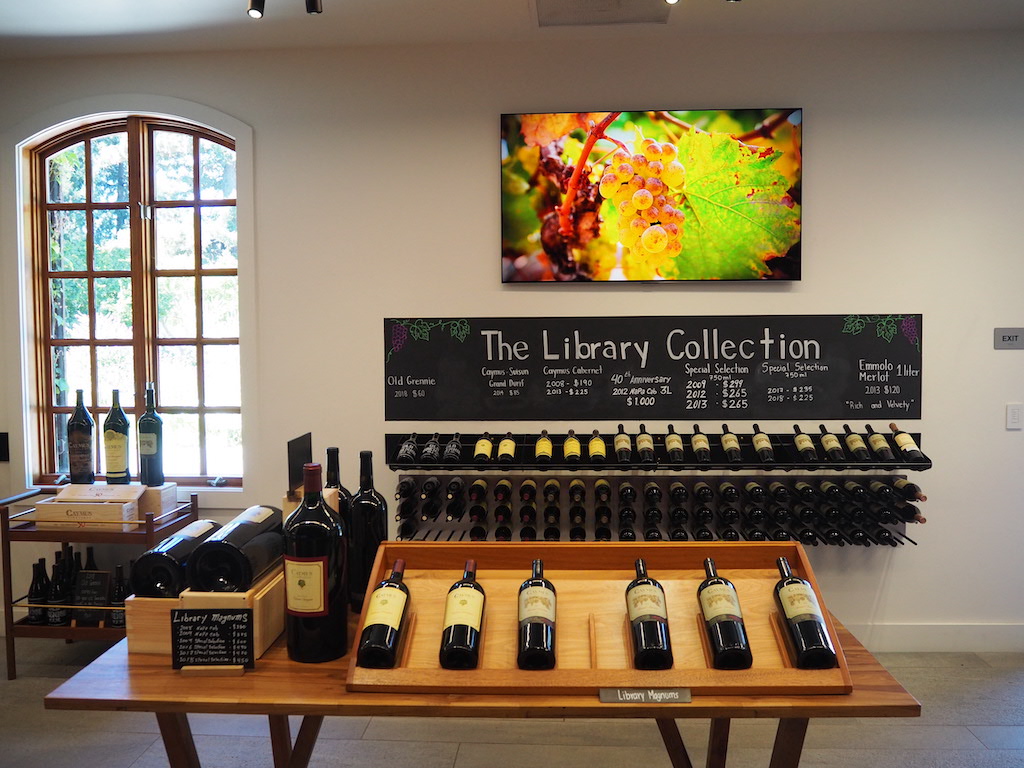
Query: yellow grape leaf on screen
point(542, 128)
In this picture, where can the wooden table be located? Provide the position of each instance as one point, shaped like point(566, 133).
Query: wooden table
point(279, 688)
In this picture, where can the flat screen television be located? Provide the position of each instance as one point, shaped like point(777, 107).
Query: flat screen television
point(651, 196)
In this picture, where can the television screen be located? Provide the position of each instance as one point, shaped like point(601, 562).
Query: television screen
point(651, 196)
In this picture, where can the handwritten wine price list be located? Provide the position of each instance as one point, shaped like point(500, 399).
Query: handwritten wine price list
point(212, 637)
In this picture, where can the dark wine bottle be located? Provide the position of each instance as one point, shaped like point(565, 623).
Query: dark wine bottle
point(755, 513)
point(602, 533)
point(502, 532)
point(503, 490)
point(369, 528)
point(115, 443)
point(703, 514)
point(38, 594)
point(597, 451)
point(552, 514)
point(807, 536)
point(755, 492)
point(723, 621)
point(648, 619)
point(728, 514)
point(463, 620)
point(883, 491)
point(338, 499)
point(778, 491)
point(856, 491)
point(798, 607)
point(627, 515)
point(90, 559)
point(645, 446)
point(879, 444)
point(316, 573)
point(453, 450)
point(483, 449)
point(731, 446)
point(678, 516)
point(234, 557)
point(571, 448)
point(507, 449)
point(387, 607)
point(701, 445)
point(855, 444)
point(627, 533)
point(831, 491)
point(831, 445)
point(602, 491)
point(527, 533)
point(678, 533)
point(904, 441)
point(753, 533)
point(542, 448)
point(652, 493)
point(652, 533)
point(407, 529)
point(58, 614)
point(627, 493)
point(431, 452)
point(81, 459)
point(908, 490)
point(151, 442)
point(455, 488)
point(552, 490)
point(118, 594)
point(674, 445)
point(503, 514)
point(478, 490)
point(602, 515)
point(763, 446)
point(805, 491)
point(161, 571)
point(623, 446)
point(528, 490)
point(728, 491)
point(577, 491)
point(804, 444)
point(528, 513)
point(408, 450)
point(677, 493)
point(703, 492)
point(536, 621)
point(478, 512)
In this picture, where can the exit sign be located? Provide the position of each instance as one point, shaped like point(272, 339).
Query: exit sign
point(1009, 338)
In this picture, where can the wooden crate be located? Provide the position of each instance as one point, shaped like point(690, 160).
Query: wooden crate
point(593, 644)
point(157, 499)
point(60, 514)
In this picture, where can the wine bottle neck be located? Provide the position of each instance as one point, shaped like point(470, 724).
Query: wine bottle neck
point(641, 569)
point(365, 470)
point(784, 568)
point(538, 569)
point(709, 568)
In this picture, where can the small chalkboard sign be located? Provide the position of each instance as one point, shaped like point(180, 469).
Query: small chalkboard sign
point(212, 637)
point(91, 588)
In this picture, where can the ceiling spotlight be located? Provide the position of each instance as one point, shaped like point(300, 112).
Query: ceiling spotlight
point(256, 9)
point(671, 2)
point(313, 6)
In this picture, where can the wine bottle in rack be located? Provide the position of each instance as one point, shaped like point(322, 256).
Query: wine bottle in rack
point(755, 492)
point(856, 491)
point(674, 445)
point(623, 446)
point(653, 516)
point(627, 515)
point(805, 491)
point(703, 533)
point(728, 514)
point(856, 535)
point(677, 516)
point(677, 493)
point(38, 594)
point(831, 491)
point(779, 491)
point(477, 490)
point(854, 512)
point(602, 533)
point(552, 533)
point(58, 614)
point(804, 445)
point(407, 451)
point(463, 620)
point(778, 533)
point(407, 529)
point(552, 490)
point(430, 488)
point(528, 490)
point(160, 571)
point(879, 444)
point(763, 446)
point(648, 619)
point(115, 617)
point(627, 533)
point(645, 446)
point(507, 449)
point(627, 493)
point(904, 441)
point(703, 514)
point(552, 514)
point(542, 448)
point(478, 533)
point(453, 450)
point(830, 513)
point(882, 491)
point(755, 513)
point(602, 515)
point(527, 533)
point(577, 515)
point(503, 533)
point(805, 513)
point(528, 513)
point(577, 491)
point(701, 446)
point(908, 490)
point(431, 452)
point(703, 492)
point(81, 457)
point(478, 512)
point(483, 449)
point(779, 513)
point(652, 493)
point(90, 559)
point(385, 621)
point(406, 508)
point(503, 490)
point(115, 443)
point(537, 605)
point(455, 488)
point(679, 533)
point(503, 514)
point(597, 451)
point(571, 448)
point(883, 537)
point(728, 533)
point(235, 556)
point(652, 533)
point(753, 533)
point(430, 511)
point(405, 488)
point(731, 446)
point(151, 442)
point(602, 491)
point(855, 444)
point(805, 624)
point(830, 445)
point(834, 537)
point(728, 492)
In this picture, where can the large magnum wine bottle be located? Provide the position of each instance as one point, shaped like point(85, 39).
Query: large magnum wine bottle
point(234, 558)
point(904, 441)
point(81, 464)
point(369, 529)
point(536, 621)
point(115, 443)
point(723, 620)
point(463, 619)
point(151, 442)
point(648, 619)
point(315, 576)
point(160, 571)
point(385, 621)
point(808, 638)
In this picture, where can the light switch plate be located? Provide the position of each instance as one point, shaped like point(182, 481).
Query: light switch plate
point(1015, 415)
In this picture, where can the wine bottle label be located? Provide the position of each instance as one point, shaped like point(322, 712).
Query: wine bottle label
point(256, 514)
point(148, 443)
point(855, 443)
point(115, 450)
point(543, 449)
point(673, 442)
point(196, 529)
point(596, 447)
point(719, 602)
point(800, 603)
point(646, 601)
point(483, 448)
point(700, 442)
point(905, 442)
point(305, 585)
point(623, 443)
point(900, 484)
point(644, 442)
point(464, 605)
point(730, 442)
point(762, 442)
point(878, 442)
point(386, 607)
point(830, 442)
point(571, 448)
point(507, 447)
point(803, 443)
point(537, 603)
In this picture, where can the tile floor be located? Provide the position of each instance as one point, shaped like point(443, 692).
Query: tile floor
point(973, 717)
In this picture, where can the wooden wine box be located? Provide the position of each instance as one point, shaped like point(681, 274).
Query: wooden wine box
point(95, 507)
point(148, 619)
point(593, 645)
point(157, 499)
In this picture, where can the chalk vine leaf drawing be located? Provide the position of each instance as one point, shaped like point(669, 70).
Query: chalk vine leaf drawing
point(887, 327)
point(404, 331)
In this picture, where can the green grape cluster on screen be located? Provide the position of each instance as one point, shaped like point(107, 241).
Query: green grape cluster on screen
point(645, 188)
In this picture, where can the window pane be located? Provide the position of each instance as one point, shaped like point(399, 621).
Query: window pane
point(110, 168)
point(112, 240)
point(176, 307)
point(220, 307)
point(178, 377)
point(175, 238)
point(113, 308)
point(60, 438)
point(72, 369)
point(220, 237)
point(67, 240)
point(69, 307)
point(216, 171)
point(222, 382)
point(172, 158)
point(181, 443)
point(114, 370)
point(224, 444)
point(65, 175)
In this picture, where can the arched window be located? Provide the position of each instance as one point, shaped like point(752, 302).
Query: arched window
point(135, 264)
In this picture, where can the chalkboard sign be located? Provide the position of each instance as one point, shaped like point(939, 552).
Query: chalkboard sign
point(91, 588)
point(212, 637)
point(677, 368)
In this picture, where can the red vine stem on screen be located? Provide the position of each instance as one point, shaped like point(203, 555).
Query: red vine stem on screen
point(565, 228)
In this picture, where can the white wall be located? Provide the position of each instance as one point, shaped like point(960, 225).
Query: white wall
point(376, 195)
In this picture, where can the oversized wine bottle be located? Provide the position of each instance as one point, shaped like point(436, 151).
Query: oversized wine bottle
point(115, 443)
point(536, 621)
point(463, 620)
point(81, 464)
point(804, 444)
point(763, 446)
point(234, 557)
point(151, 442)
point(904, 441)
point(385, 621)
point(369, 529)
point(806, 632)
point(38, 594)
point(315, 576)
point(648, 619)
point(161, 571)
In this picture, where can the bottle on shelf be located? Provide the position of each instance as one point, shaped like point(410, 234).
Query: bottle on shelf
point(831, 491)
point(577, 491)
point(835, 537)
point(542, 448)
point(779, 513)
point(552, 533)
point(477, 490)
point(904, 441)
point(778, 533)
point(805, 624)
point(602, 491)
point(723, 621)
point(729, 492)
point(90, 559)
point(341, 500)
point(528, 513)
point(463, 619)
point(316, 567)
point(627, 493)
point(528, 490)
point(882, 491)
point(648, 619)
point(552, 514)
point(645, 446)
point(678, 516)
point(627, 515)
point(908, 490)
point(703, 492)
point(763, 446)
point(537, 604)
point(385, 621)
point(674, 446)
point(597, 451)
point(58, 614)
point(755, 513)
point(602, 533)
point(779, 491)
point(527, 533)
point(728, 533)
point(507, 449)
point(503, 514)
point(653, 516)
point(701, 446)
point(855, 444)
point(236, 555)
point(677, 493)
point(626, 532)
point(831, 445)
point(502, 533)
point(406, 508)
point(602, 515)
point(856, 491)
point(806, 536)
point(483, 449)
point(118, 594)
point(478, 512)
point(571, 449)
point(503, 490)
point(407, 529)
point(703, 514)
point(407, 451)
point(879, 444)
point(38, 594)
point(430, 511)
point(652, 493)
point(753, 533)
point(552, 490)
point(455, 510)
point(115, 443)
point(455, 488)
point(678, 533)
point(623, 446)
point(805, 491)
point(453, 450)
point(755, 492)
point(81, 456)
point(161, 571)
point(431, 451)
point(151, 442)
point(703, 533)
point(728, 514)
point(405, 488)
point(804, 445)
point(652, 533)
point(430, 488)
point(731, 446)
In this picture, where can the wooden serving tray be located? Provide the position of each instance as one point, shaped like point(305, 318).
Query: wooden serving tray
point(593, 646)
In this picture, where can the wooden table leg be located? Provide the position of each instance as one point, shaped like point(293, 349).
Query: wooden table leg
point(306, 740)
point(673, 743)
point(718, 742)
point(280, 740)
point(177, 736)
point(789, 742)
